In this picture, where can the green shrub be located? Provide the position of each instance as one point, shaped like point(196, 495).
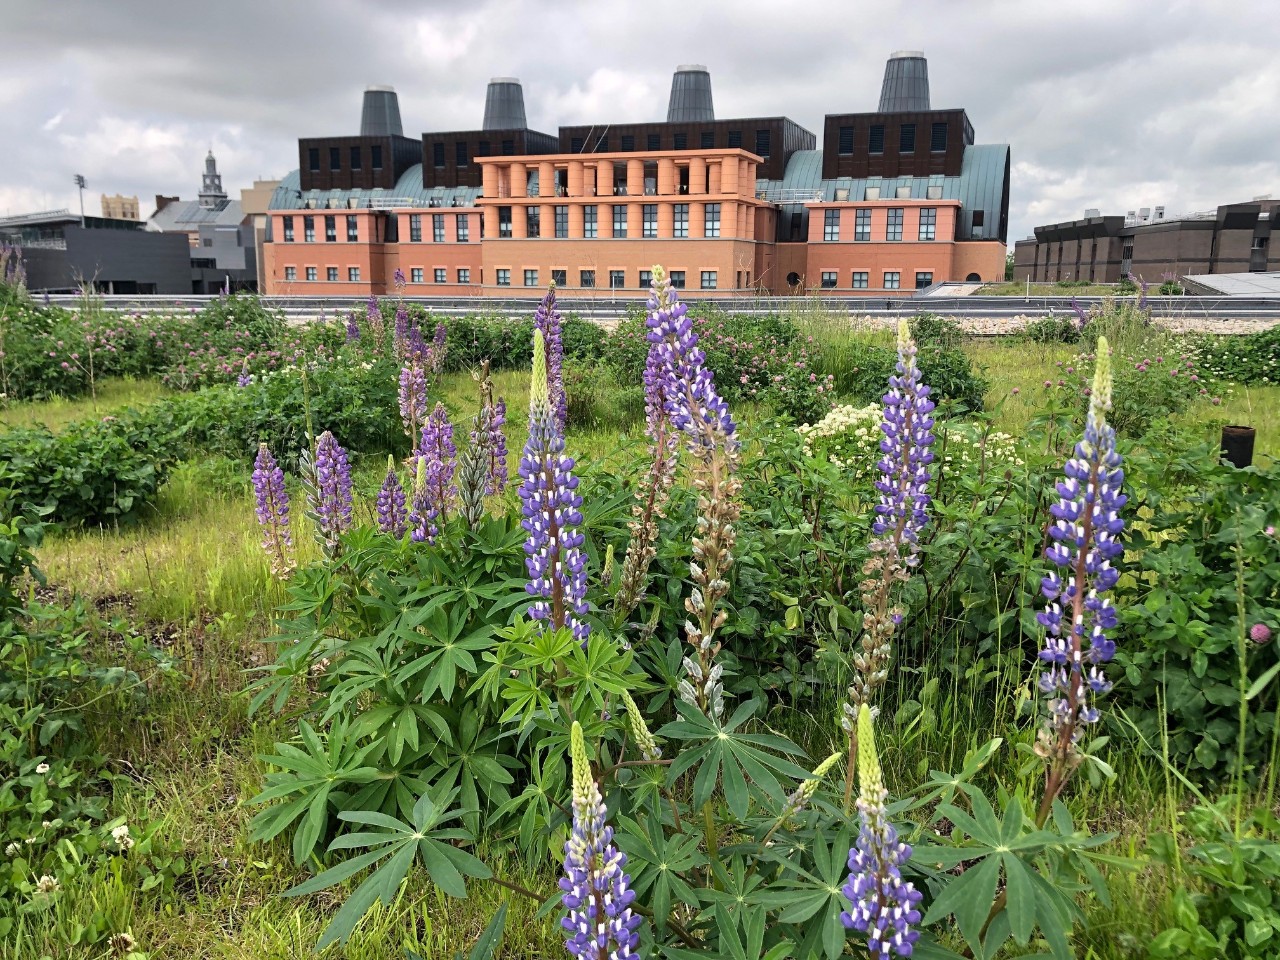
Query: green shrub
point(1171, 288)
point(930, 329)
point(1247, 358)
point(868, 366)
point(1055, 329)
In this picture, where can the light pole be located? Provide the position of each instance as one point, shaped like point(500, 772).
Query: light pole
point(81, 184)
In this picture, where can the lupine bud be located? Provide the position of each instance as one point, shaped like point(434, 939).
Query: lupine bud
point(547, 320)
point(645, 743)
point(802, 794)
point(273, 511)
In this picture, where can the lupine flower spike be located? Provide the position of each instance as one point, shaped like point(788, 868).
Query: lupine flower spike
point(882, 905)
point(393, 517)
point(597, 894)
point(377, 326)
point(401, 330)
point(550, 504)
point(800, 797)
point(645, 743)
point(493, 440)
point(1086, 540)
point(273, 511)
point(413, 397)
point(473, 471)
point(331, 497)
point(353, 328)
point(437, 461)
point(547, 320)
point(439, 349)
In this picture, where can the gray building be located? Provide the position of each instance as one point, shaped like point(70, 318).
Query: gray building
point(61, 251)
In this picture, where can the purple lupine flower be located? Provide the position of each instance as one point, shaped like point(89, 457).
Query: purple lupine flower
point(393, 517)
point(412, 395)
point(904, 468)
point(1082, 318)
point(547, 320)
point(332, 502)
point(1086, 539)
point(882, 905)
point(550, 504)
point(437, 461)
point(401, 329)
point(272, 508)
point(599, 924)
point(397, 278)
point(439, 349)
point(497, 447)
point(416, 349)
point(377, 326)
point(1143, 287)
point(353, 327)
point(692, 403)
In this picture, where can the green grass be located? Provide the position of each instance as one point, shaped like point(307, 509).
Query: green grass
point(113, 394)
point(1013, 288)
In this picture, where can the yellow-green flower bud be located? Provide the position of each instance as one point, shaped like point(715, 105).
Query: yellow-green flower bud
point(639, 730)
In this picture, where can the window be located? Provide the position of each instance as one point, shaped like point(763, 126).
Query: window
point(762, 142)
point(617, 279)
point(875, 138)
point(331, 274)
point(375, 156)
point(508, 148)
point(560, 277)
point(861, 280)
point(589, 220)
point(907, 138)
point(309, 229)
point(846, 141)
point(677, 279)
point(680, 225)
point(288, 229)
point(602, 145)
point(628, 142)
point(923, 280)
point(355, 158)
point(650, 211)
point(707, 139)
point(831, 225)
point(460, 152)
point(532, 222)
point(828, 279)
point(708, 279)
point(711, 220)
point(871, 193)
point(441, 275)
point(928, 222)
point(504, 221)
point(646, 278)
point(415, 275)
point(437, 228)
point(482, 148)
point(335, 159)
point(735, 138)
point(979, 219)
point(862, 225)
point(311, 273)
point(464, 274)
point(680, 141)
point(938, 138)
point(892, 280)
point(653, 142)
point(619, 220)
point(933, 191)
point(353, 274)
point(462, 225)
point(415, 228)
point(586, 278)
point(437, 154)
point(575, 144)
point(562, 222)
point(313, 159)
point(353, 229)
point(531, 278)
point(291, 273)
point(504, 278)
point(894, 229)
point(330, 229)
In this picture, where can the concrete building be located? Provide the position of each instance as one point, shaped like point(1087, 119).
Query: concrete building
point(894, 201)
point(60, 252)
point(1234, 238)
point(120, 208)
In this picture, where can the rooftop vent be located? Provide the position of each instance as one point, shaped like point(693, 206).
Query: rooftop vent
point(504, 105)
point(690, 95)
point(380, 115)
point(906, 83)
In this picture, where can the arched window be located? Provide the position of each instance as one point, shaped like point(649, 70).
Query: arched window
point(973, 278)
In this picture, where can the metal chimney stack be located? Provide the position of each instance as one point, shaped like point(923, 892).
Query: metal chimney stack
point(906, 83)
point(690, 95)
point(504, 105)
point(380, 115)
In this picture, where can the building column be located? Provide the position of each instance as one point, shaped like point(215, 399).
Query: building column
point(604, 178)
point(573, 183)
point(729, 176)
point(575, 220)
point(666, 217)
point(489, 180)
point(635, 220)
point(546, 220)
point(666, 177)
point(546, 180)
point(729, 219)
point(635, 178)
point(516, 176)
point(519, 223)
point(713, 176)
point(697, 218)
point(697, 176)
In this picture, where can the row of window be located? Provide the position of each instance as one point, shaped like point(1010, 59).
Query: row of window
point(893, 224)
point(861, 279)
point(416, 274)
point(462, 227)
point(355, 156)
point(586, 278)
point(591, 220)
point(462, 151)
point(679, 141)
point(906, 139)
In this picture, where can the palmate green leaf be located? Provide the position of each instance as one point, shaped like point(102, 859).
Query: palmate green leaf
point(812, 899)
point(969, 897)
point(659, 864)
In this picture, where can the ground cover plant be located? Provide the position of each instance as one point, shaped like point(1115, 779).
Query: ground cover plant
point(720, 684)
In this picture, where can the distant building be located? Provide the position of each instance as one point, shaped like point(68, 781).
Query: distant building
point(61, 252)
point(221, 236)
point(119, 207)
point(1234, 238)
point(894, 201)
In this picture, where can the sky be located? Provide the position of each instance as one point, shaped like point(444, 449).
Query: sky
point(1105, 103)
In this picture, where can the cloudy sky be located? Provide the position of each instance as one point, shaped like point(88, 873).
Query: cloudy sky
point(1106, 103)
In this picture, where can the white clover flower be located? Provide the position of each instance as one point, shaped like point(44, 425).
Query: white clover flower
point(121, 836)
point(13, 849)
point(47, 884)
point(42, 768)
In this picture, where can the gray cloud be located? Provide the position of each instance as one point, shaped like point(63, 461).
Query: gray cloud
point(1107, 104)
